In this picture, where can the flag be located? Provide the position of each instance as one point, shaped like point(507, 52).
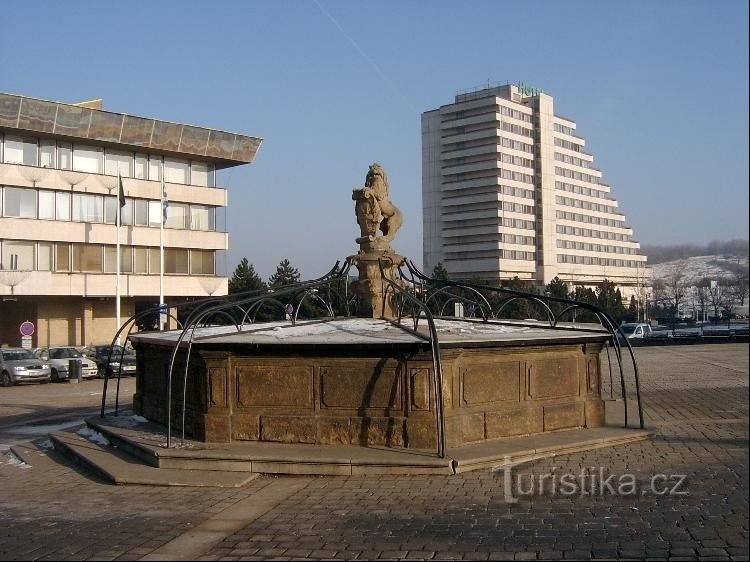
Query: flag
point(164, 202)
point(121, 192)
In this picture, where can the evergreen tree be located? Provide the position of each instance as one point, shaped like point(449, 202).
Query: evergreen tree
point(557, 288)
point(285, 275)
point(632, 314)
point(245, 278)
point(609, 299)
point(439, 271)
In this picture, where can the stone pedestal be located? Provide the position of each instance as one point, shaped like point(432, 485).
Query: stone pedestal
point(375, 297)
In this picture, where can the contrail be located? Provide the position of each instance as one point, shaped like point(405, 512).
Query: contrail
point(356, 46)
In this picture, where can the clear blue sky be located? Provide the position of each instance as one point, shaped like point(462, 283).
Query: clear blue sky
point(659, 89)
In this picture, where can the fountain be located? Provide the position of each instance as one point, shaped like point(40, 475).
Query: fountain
point(374, 375)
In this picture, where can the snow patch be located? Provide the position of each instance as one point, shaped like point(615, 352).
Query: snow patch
point(13, 460)
point(93, 436)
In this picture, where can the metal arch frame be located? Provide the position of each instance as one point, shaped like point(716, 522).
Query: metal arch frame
point(334, 273)
point(604, 319)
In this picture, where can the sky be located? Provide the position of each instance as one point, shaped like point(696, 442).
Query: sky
point(659, 90)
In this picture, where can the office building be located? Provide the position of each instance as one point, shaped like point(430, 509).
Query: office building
point(59, 166)
point(508, 189)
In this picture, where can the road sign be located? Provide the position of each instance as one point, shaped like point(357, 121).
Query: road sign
point(26, 328)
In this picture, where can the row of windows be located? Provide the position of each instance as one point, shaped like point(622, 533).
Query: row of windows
point(560, 157)
point(517, 223)
point(517, 145)
point(515, 114)
point(47, 153)
point(592, 233)
point(516, 160)
point(588, 247)
point(564, 130)
point(66, 257)
point(491, 254)
point(517, 129)
point(517, 239)
point(516, 176)
point(588, 219)
point(566, 173)
point(18, 202)
point(570, 202)
point(517, 191)
point(581, 190)
point(509, 206)
point(569, 145)
point(593, 260)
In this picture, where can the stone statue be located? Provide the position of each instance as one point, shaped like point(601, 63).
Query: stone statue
point(373, 201)
point(375, 211)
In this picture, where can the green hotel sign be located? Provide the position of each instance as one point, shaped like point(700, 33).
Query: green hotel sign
point(528, 90)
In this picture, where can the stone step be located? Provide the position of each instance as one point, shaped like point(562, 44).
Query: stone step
point(119, 467)
point(148, 441)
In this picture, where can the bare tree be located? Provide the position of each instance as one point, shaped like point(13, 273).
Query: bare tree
point(675, 288)
point(718, 295)
point(738, 283)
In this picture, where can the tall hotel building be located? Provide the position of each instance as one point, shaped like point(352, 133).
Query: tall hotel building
point(508, 190)
point(58, 196)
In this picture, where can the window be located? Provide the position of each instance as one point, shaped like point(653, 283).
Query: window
point(175, 171)
point(141, 166)
point(46, 204)
point(64, 155)
point(126, 259)
point(199, 173)
point(88, 159)
point(20, 150)
point(19, 202)
point(47, 154)
point(201, 262)
point(17, 254)
point(140, 260)
point(110, 210)
point(87, 258)
point(116, 162)
point(62, 206)
point(176, 215)
point(62, 256)
point(175, 260)
point(44, 257)
point(87, 208)
point(141, 212)
point(202, 218)
point(154, 213)
point(126, 213)
point(154, 168)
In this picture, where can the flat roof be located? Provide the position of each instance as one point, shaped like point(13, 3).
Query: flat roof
point(79, 122)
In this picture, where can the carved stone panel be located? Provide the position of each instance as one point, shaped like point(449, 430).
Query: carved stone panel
point(553, 378)
point(420, 380)
point(275, 385)
point(592, 376)
point(217, 381)
point(359, 386)
point(563, 416)
point(484, 383)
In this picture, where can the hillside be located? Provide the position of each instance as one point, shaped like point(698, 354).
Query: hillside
point(698, 267)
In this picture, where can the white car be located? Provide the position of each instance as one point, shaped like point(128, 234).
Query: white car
point(59, 358)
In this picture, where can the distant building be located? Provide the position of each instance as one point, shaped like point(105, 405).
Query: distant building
point(508, 190)
point(58, 196)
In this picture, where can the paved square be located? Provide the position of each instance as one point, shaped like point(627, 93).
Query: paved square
point(695, 399)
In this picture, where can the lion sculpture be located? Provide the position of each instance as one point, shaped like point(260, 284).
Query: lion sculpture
point(376, 183)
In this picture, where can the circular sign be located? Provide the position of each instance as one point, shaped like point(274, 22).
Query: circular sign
point(27, 328)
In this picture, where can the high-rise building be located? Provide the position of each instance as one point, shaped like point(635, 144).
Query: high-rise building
point(509, 190)
point(59, 168)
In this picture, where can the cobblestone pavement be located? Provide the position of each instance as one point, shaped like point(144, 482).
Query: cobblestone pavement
point(695, 398)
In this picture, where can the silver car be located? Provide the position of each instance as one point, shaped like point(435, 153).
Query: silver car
point(58, 358)
point(19, 365)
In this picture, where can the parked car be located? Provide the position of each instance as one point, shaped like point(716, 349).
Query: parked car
point(100, 354)
point(635, 331)
point(19, 365)
point(59, 358)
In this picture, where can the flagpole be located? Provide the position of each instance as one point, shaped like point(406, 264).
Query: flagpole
point(162, 315)
point(117, 283)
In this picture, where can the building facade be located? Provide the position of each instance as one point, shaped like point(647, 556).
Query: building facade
point(59, 166)
point(509, 190)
